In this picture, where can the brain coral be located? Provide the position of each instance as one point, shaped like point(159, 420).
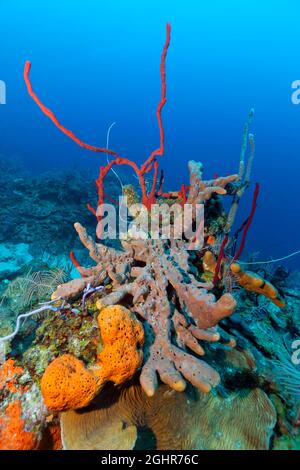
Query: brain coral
point(243, 420)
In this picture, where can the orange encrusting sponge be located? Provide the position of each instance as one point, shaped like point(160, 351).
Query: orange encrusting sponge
point(12, 433)
point(122, 335)
point(255, 283)
point(9, 373)
point(68, 384)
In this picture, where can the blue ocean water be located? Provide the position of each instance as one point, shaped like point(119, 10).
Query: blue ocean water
point(96, 62)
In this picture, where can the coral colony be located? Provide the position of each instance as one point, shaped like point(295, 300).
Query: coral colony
point(141, 318)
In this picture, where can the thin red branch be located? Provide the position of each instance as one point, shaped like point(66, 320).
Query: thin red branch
point(54, 119)
point(183, 194)
point(163, 100)
point(76, 263)
point(152, 195)
point(112, 200)
point(91, 209)
point(220, 259)
point(247, 225)
point(161, 182)
point(149, 164)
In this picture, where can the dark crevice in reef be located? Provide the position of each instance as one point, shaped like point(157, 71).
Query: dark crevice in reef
point(146, 439)
point(241, 380)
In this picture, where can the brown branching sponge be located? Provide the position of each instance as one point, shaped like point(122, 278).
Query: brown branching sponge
point(158, 278)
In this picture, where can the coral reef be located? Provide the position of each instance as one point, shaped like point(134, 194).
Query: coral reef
point(100, 364)
point(13, 258)
point(28, 203)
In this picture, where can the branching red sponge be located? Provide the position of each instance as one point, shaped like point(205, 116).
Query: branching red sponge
point(148, 198)
point(248, 223)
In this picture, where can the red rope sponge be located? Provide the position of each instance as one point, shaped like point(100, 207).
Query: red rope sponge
point(248, 223)
point(220, 259)
point(76, 263)
point(54, 119)
point(150, 163)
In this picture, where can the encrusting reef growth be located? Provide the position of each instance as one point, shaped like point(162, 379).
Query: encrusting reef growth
point(141, 318)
